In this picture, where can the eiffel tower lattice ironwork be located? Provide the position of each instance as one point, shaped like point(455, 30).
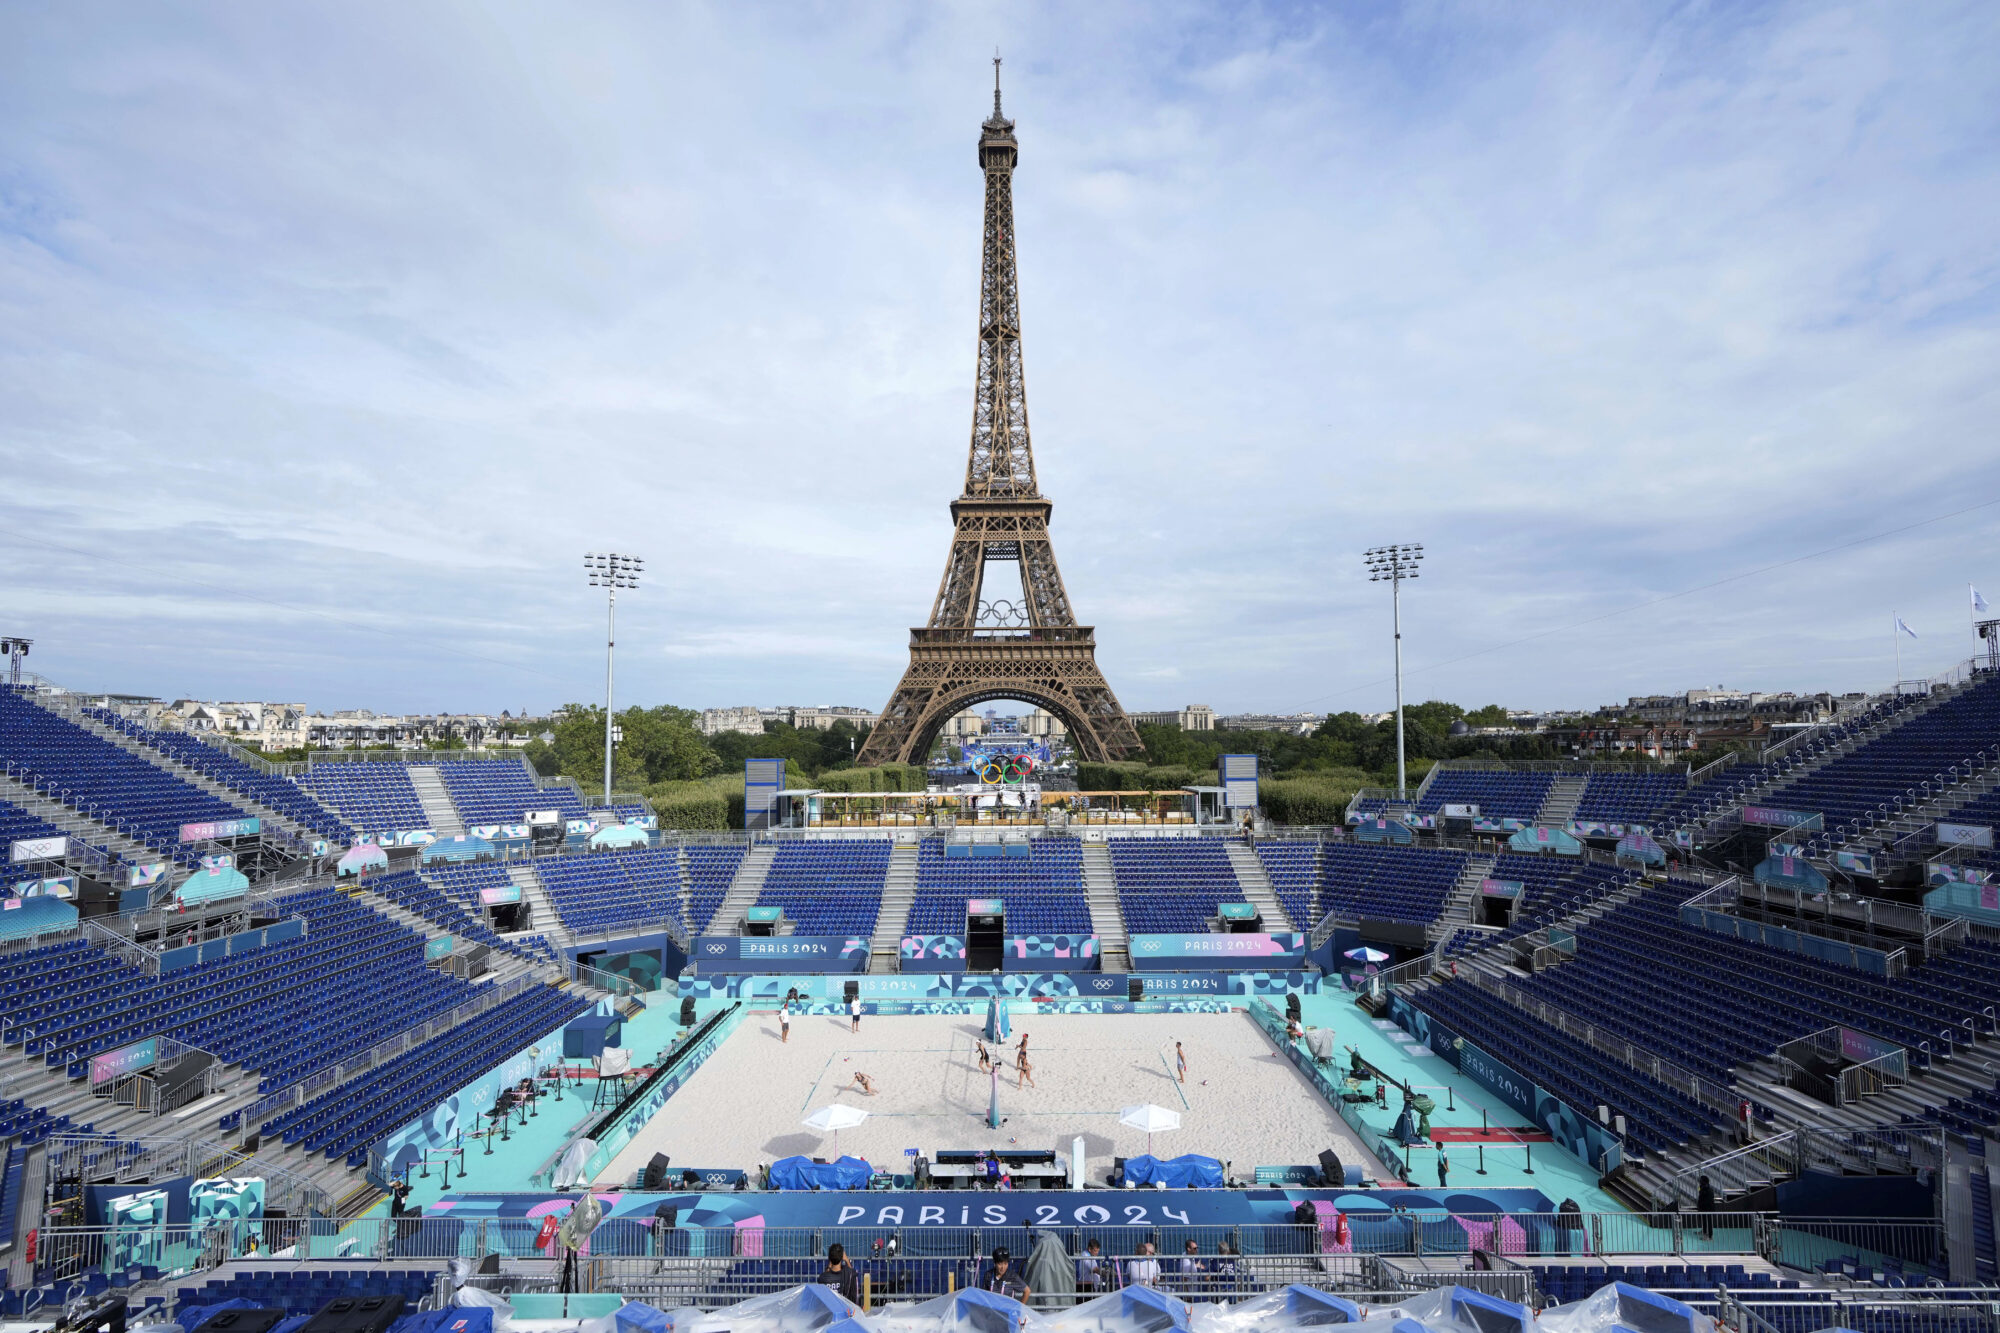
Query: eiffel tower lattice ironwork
point(974, 649)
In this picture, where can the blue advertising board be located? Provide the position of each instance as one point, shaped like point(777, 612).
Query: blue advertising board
point(781, 953)
point(1262, 952)
point(975, 988)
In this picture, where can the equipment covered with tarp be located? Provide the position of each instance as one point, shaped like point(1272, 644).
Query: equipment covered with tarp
point(1458, 1310)
point(803, 1173)
point(1618, 1307)
point(1189, 1171)
point(811, 1308)
point(1132, 1310)
point(1320, 1042)
point(961, 1312)
point(1296, 1306)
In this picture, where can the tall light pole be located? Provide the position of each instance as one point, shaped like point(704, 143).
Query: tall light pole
point(611, 571)
point(1391, 565)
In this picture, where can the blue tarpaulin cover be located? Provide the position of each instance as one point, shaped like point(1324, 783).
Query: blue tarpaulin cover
point(803, 1173)
point(1191, 1171)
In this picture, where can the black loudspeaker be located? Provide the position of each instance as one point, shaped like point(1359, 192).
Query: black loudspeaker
point(490, 1265)
point(1330, 1167)
point(1292, 1010)
point(1135, 989)
point(656, 1173)
point(356, 1314)
point(250, 1145)
point(247, 1321)
point(687, 1011)
point(850, 990)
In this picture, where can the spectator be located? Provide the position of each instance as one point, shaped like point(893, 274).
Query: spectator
point(1143, 1271)
point(1002, 1278)
point(839, 1274)
point(1090, 1270)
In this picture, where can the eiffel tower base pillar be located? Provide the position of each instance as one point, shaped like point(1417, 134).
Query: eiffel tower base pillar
point(953, 670)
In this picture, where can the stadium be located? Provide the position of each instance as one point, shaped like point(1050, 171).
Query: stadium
point(428, 1038)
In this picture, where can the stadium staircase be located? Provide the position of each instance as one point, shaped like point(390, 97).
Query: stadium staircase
point(1981, 782)
point(1460, 908)
point(744, 888)
point(1107, 919)
point(1256, 885)
point(543, 918)
point(439, 812)
point(899, 891)
point(76, 824)
point(506, 963)
point(1565, 794)
point(81, 718)
point(1719, 820)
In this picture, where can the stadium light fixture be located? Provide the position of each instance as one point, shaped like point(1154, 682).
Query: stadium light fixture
point(611, 571)
point(1391, 565)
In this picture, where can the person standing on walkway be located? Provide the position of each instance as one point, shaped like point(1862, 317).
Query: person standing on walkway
point(1444, 1168)
point(1180, 1062)
point(854, 1014)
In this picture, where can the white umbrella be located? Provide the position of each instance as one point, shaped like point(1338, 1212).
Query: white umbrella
point(1153, 1119)
point(1366, 955)
point(834, 1118)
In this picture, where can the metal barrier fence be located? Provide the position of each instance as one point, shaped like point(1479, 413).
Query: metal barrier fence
point(73, 1159)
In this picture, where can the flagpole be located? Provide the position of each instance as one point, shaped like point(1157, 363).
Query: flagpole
point(1896, 637)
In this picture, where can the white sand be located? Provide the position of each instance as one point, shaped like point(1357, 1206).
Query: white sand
point(1245, 1104)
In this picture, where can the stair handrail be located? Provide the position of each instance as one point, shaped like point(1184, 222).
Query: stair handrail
point(1680, 1188)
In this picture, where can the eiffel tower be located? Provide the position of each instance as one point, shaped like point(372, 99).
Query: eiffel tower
point(975, 650)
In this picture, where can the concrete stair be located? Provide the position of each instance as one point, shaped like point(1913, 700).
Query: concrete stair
point(899, 893)
point(1257, 888)
point(743, 890)
point(439, 812)
point(543, 919)
point(1462, 907)
point(1565, 794)
point(1107, 918)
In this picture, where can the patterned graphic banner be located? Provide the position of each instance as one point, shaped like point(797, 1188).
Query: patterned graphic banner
point(945, 987)
point(781, 953)
point(1246, 950)
point(221, 828)
point(1770, 816)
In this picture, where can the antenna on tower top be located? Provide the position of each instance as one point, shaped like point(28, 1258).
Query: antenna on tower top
point(996, 81)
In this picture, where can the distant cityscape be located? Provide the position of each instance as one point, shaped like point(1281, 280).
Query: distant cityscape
point(1659, 726)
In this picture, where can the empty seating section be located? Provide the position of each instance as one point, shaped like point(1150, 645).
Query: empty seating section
point(1172, 885)
point(113, 786)
point(497, 792)
point(1629, 798)
point(1293, 869)
point(827, 888)
point(1552, 889)
point(375, 798)
point(284, 1010)
point(29, 1125)
point(1709, 1001)
point(447, 895)
point(1730, 786)
point(1563, 1284)
point(1498, 795)
point(599, 892)
point(1387, 883)
point(1918, 754)
point(1657, 1116)
point(299, 1291)
point(346, 1119)
point(219, 765)
point(16, 823)
point(710, 871)
point(1043, 890)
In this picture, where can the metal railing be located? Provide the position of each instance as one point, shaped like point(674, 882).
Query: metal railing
point(93, 1159)
point(332, 1076)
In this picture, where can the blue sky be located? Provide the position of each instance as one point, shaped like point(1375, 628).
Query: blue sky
point(330, 337)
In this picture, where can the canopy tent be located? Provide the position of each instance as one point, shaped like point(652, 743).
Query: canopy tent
point(619, 835)
point(457, 849)
point(362, 856)
point(1189, 1171)
point(24, 918)
point(212, 884)
point(803, 1173)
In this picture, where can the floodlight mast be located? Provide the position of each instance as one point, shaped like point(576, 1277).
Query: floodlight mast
point(1391, 565)
point(611, 571)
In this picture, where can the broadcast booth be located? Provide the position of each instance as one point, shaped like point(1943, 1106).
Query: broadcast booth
point(764, 922)
point(545, 828)
point(1239, 918)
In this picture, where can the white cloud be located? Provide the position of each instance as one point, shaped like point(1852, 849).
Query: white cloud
point(389, 314)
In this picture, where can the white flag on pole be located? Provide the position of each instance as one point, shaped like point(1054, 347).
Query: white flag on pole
point(1978, 602)
point(1905, 628)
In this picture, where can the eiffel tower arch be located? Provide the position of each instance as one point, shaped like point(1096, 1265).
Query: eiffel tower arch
point(977, 649)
